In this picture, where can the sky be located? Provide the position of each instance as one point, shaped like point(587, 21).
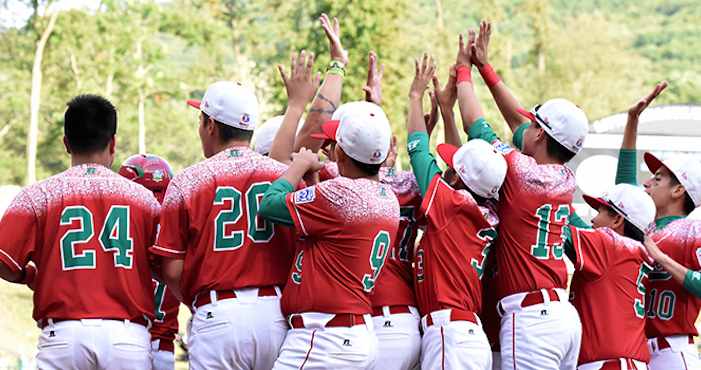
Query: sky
point(15, 13)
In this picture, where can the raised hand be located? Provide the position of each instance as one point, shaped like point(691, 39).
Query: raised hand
point(333, 33)
point(431, 118)
point(643, 103)
point(446, 96)
point(423, 74)
point(302, 83)
point(392, 154)
point(481, 46)
point(465, 49)
point(373, 85)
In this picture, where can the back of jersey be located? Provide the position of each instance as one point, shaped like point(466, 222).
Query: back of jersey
point(210, 217)
point(88, 231)
point(534, 206)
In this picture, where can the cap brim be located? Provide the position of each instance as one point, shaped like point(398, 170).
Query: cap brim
point(194, 103)
point(527, 114)
point(652, 162)
point(595, 202)
point(328, 131)
point(447, 152)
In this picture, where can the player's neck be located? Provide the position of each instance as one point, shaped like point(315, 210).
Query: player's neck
point(103, 159)
point(354, 173)
point(541, 157)
point(231, 144)
point(675, 209)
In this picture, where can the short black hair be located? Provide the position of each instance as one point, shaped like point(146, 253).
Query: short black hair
point(229, 133)
point(632, 231)
point(688, 202)
point(368, 169)
point(557, 150)
point(90, 122)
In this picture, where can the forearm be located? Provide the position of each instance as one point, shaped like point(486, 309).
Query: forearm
point(415, 120)
point(630, 133)
point(273, 207)
point(508, 105)
point(10, 275)
point(284, 142)
point(172, 270)
point(452, 135)
point(480, 129)
point(323, 106)
point(692, 282)
point(627, 168)
point(470, 108)
point(423, 164)
point(677, 271)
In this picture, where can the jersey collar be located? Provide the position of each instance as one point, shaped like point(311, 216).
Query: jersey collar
point(661, 223)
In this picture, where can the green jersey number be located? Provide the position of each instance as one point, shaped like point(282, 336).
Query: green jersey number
point(541, 249)
point(488, 236)
point(661, 305)
point(639, 304)
point(406, 213)
point(297, 273)
point(115, 237)
point(159, 294)
point(380, 246)
point(420, 265)
point(259, 230)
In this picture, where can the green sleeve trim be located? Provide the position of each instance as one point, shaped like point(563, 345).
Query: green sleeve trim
point(274, 204)
point(692, 282)
point(423, 163)
point(518, 135)
point(578, 222)
point(569, 246)
point(480, 129)
point(626, 170)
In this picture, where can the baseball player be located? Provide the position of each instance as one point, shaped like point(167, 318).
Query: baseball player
point(219, 257)
point(87, 230)
point(540, 329)
point(348, 225)
point(450, 258)
point(154, 173)
point(672, 307)
point(608, 286)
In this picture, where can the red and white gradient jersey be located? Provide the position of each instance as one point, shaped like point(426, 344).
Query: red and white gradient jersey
point(347, 228)
point(671, 309)
point(450, 258)
point(210, 218)
point(87, 230)
point(608, 291)
point(534, 206)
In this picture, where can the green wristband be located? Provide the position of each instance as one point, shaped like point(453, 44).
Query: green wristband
point(336, 68)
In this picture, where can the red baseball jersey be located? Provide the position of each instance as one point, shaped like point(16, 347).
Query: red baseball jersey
point(328, 171)
point(671, 309)
point(210, 218)
point(347, 227)
point(87, 230)
point(165, 325)
point(451, 254)
point(534, 206)
point(395, 286)
point(608, 291)
point(491, 322)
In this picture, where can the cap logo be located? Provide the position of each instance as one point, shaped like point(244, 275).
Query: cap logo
point(376, 154)
point(245, 118)
point(494, 189)
point(158, 175)
point(206, 104)
point(578, 143)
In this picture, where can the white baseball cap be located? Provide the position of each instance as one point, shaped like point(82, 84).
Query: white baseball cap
point(265, 134)
point(480, 167)
point(229, 103)
point(685, 168)
point(629, 201)
point(562, 120)
point(361, 129)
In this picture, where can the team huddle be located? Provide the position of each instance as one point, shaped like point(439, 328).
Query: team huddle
point(289, 262)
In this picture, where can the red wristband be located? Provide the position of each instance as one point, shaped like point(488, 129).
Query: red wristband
point(464, 73)
point(490, 77)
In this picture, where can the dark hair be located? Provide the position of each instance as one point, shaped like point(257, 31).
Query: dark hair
point(460, 185)
point(90, 122)
point(688, 202)
point(633, 232)
point(557, 151)
point(229, 133)
point(368, 169)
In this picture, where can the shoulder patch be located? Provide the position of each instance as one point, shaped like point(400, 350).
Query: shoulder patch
point(698, 255)
point(306, 195)
point(502, 147)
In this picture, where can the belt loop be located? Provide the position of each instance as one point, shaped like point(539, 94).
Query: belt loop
point(385, 311)
point(546, 296)
point(278, 291)
point(50, 322)
point(194, 302)
point(213, 297)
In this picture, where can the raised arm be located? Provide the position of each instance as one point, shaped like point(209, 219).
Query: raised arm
point(691, 280)
point(329, 96)
point(506, 101)
point(300, 85)
point(470, 109)
point(626, 171)
point(446, 99)
point(423, 74)
point(373, 85)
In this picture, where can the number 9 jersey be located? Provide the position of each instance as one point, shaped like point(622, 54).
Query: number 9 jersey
point(88, 231)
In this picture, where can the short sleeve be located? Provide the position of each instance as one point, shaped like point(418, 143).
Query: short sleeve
point(442, 203)
point(16, 247)
point(696, 256)
point(172, 237)
point(591, 248)
point(311, 212)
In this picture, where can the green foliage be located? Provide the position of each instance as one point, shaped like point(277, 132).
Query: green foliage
point(600, 54)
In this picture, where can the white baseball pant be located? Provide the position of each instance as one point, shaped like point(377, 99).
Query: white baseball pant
point(681, 355)
point(316, 347)
point(496, 360)
point(544, 336)
point(94, 344)
point(618, 364)
point(398, 340)
point(454, 345)
point(242, 333)
point(161, 360)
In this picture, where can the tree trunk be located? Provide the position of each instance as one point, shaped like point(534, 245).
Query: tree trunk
point(35, 102)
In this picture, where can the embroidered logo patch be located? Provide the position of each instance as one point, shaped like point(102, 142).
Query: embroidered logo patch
point(502, 148)
point(412, 145)
point(306, 195)
point(698, 254)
